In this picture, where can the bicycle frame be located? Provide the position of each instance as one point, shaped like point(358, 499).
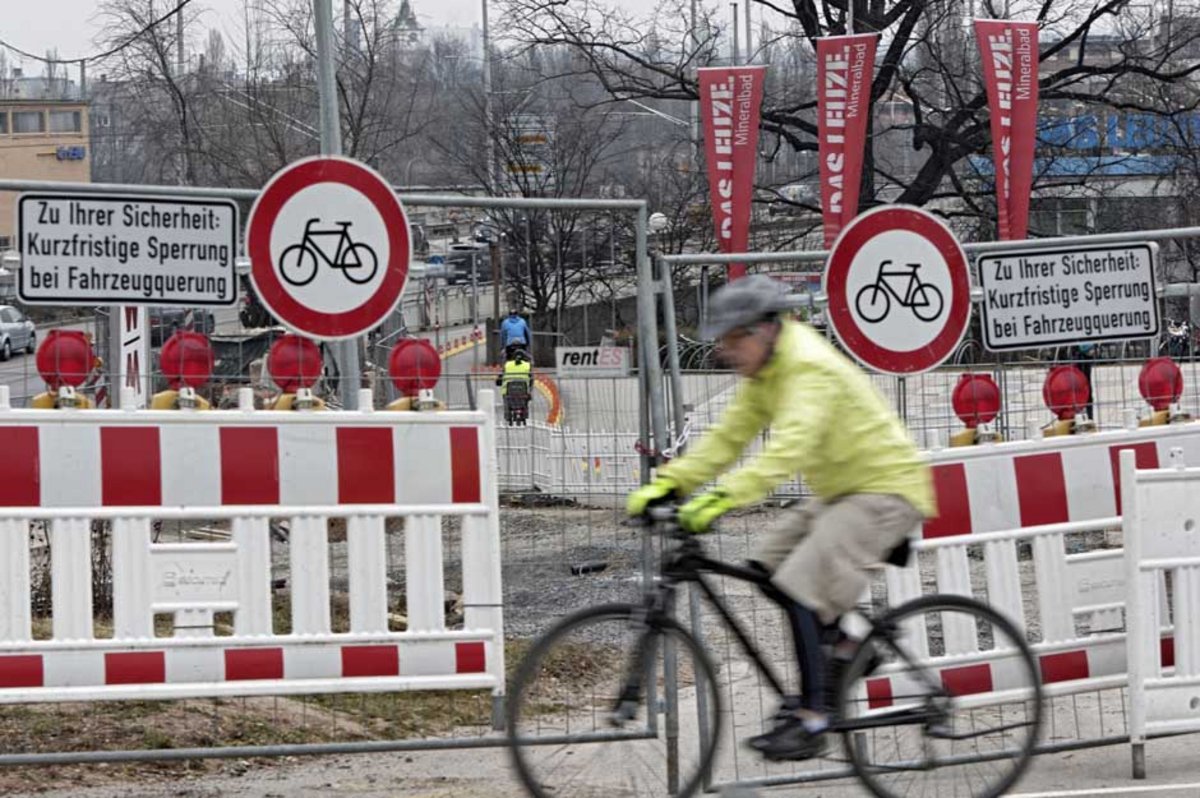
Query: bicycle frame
point(687, 563)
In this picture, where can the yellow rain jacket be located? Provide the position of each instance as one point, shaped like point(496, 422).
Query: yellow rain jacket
point(515, 372)
point(828, 424)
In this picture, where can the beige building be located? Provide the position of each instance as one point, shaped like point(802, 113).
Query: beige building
point(40, 140)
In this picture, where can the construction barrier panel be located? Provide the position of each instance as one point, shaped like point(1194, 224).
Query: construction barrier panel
point(68, 469)
point(1162, 525)
point(1040, 492)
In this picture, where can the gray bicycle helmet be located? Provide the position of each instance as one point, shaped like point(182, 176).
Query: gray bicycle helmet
point(742, 303)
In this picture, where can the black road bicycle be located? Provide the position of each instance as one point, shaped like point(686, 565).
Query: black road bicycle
point(356, 260)
point(943, 696)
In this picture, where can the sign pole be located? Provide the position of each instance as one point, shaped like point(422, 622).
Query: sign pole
point(474, 310)
point(346, 352)
point(116, 377)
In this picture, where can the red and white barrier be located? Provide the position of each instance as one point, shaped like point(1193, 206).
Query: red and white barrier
point(1162, 535)
point(994, 496)
point(70, 468)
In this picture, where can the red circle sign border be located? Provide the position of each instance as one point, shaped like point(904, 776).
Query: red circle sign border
point(285, 184)
point(852, 239)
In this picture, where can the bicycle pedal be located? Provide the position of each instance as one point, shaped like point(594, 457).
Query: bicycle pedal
point(941, 731)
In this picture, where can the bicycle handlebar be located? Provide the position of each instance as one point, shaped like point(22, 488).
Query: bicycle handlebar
point(665, 518)
point(663, 513)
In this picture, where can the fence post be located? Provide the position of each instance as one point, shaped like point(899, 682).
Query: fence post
point(672, 683)
point(676, 380)
point(648, 332)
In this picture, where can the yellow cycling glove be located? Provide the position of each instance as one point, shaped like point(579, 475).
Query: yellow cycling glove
point(657, 491)
point(698, 515)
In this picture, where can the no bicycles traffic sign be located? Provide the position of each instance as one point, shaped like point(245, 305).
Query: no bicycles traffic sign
point(899, 290)
point(329, 247)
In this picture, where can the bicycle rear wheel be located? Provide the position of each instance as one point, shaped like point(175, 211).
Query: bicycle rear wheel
point(578, 723)
point(956, 708)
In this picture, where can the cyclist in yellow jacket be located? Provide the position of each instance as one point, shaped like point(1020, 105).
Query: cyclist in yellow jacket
point(870, 486)
point(517, 375)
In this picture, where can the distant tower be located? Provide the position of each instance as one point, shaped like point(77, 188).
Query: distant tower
point(405, 27)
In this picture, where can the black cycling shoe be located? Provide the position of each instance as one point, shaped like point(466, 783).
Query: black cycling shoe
point(789, 742)
point(787, 710)
point(785, 714)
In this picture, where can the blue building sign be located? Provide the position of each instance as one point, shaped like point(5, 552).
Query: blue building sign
point(75, 153)
point(1121, 132)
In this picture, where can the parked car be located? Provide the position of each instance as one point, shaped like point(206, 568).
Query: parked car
point(16, 332)
point(164, 322)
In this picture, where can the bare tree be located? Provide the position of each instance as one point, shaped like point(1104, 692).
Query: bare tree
point(1101, 55)
point(162, 102)
point(240, 113)
point(548, 137)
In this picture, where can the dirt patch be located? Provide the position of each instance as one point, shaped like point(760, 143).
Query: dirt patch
point(147, 725)
point(156, 725)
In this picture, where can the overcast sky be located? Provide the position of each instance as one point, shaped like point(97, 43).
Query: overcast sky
point(71, 25)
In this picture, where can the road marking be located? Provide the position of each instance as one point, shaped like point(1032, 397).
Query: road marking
point(1155, 788)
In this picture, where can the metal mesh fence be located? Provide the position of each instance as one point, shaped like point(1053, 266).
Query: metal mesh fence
point(571, 268)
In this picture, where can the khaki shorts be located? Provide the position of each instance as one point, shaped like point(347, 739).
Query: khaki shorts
point(818, 552)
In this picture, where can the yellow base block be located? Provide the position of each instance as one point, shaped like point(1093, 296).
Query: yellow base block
point(287, 401)
point(408, 403)
point(49, 401)
point(972, 437)
point(1156, 419)
point(169, 400)
point(964, 437)
point(1059, 428)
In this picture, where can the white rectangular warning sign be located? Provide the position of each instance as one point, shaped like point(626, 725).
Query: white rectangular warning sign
point(592, 361)
point(1051, 297)
point(84, 249)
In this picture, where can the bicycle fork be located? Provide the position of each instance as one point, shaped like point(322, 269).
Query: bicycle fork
point(639, 675)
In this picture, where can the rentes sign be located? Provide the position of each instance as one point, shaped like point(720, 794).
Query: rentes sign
point(730, 102)
point(592, 361)
point(845, 68)
point(1010, 66)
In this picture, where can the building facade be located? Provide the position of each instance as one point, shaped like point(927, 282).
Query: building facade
point(40, 140)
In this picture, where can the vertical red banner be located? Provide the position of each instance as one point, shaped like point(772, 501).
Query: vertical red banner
point(845, 69)
point(730, 104)
point(1010, 75)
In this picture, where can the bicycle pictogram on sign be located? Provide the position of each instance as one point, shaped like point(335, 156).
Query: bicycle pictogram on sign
point(299, 263)
point(874, 301)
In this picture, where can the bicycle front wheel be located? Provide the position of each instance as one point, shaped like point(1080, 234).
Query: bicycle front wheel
point(955, 709)
point(585, 711)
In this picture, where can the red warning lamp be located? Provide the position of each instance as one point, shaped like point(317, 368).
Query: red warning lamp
point(1160, 383)
point(414, 366)
point(976, 399)
point(65, 358)
point(294, 363)
point(1066, 391)
point(186, 360)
